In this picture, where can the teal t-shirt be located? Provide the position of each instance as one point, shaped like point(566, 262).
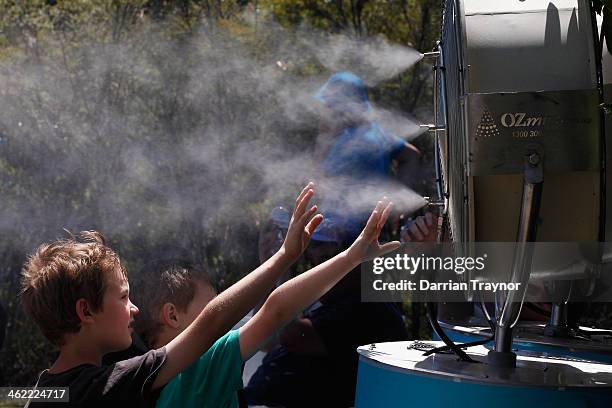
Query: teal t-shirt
point(212, 381)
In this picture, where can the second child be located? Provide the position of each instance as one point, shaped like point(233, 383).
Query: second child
point(213, 381)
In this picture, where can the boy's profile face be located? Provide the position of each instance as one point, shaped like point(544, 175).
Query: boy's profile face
point(113, 323)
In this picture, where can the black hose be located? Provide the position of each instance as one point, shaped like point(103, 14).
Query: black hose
point(464, 345)
point(461, 346)
point(432, 315)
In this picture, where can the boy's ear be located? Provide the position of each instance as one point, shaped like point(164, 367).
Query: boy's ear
point(168, 315)
point(83, 311)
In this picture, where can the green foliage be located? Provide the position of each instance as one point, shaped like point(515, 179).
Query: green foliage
point(407, 22)
point(108, 121)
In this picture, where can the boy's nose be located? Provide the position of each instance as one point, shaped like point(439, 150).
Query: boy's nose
point(133, 308)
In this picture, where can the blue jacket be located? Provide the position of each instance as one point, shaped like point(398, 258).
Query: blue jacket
point(360, 155)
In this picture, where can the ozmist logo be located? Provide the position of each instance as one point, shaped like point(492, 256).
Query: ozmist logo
point(486, 127)
point(520, 119)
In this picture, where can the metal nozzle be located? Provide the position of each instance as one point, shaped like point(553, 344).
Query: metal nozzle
point(432, 128)
point(430, 55)
point(433, 203)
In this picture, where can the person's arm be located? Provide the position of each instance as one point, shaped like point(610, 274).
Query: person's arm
point(292, 296)
point(225, 310)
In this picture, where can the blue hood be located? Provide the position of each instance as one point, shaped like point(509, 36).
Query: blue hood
point(344, 91)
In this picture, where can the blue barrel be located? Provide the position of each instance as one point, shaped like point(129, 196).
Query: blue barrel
point(395, 375)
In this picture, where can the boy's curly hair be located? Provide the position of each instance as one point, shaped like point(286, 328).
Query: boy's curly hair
point(58, 274)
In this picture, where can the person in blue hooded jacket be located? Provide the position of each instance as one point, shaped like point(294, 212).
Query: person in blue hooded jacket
point(354, 157)
point(355, 152)
point(317, 351)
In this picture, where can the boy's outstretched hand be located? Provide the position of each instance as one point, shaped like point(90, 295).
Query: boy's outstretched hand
point(302, 224)
point(366, 246)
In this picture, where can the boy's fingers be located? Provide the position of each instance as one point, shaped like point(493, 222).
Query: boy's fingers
point(305, 217)
point(313, 224)
point(302, 194)
point(386, 212)
point(383, 218)
point(308, 186)
point(371, 225)
point(299, 209)
point(373, 220)
point(388, 247)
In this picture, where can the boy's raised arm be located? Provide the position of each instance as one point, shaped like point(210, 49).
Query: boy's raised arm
point(291, 297)
point(225, 310)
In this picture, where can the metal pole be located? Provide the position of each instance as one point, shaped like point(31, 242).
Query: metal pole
point(521, 265)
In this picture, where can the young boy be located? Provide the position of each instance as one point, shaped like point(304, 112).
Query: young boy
point(79, 296)
point(213, 381)
point(171, 296)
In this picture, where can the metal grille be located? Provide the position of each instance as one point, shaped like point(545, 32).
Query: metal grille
point(451, 110)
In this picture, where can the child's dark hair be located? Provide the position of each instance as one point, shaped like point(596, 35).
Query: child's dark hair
point(164, 281)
